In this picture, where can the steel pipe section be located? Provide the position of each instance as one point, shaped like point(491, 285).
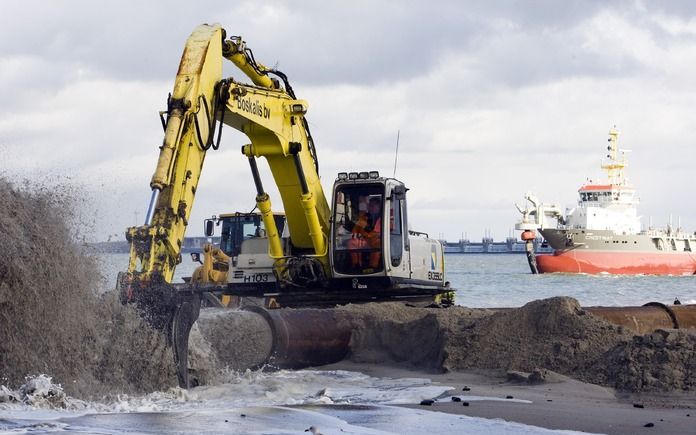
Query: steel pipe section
point(254, 337)
point(307, 337)
point(649, 317)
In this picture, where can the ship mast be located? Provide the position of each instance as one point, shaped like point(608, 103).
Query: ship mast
point(615, 167)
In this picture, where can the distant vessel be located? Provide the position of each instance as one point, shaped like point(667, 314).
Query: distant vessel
point(603, 233)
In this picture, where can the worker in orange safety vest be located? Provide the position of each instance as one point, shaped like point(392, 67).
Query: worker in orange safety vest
point(367, 232)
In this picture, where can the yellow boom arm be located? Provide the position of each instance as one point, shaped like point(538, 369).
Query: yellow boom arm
point(268, 114)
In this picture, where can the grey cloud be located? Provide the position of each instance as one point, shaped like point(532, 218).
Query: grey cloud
point(524, 59)
point(683, 8)
point(514, 43)
point(364, 42)
point(131, 40)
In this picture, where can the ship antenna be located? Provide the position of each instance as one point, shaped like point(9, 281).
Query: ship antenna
point(396, 155)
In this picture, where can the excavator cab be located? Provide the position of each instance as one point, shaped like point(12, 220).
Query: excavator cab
point(358, 229)
point(368, 232)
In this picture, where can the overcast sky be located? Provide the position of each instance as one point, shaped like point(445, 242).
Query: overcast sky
point(491, 99)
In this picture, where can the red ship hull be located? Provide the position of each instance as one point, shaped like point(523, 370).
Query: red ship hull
point(617, 262)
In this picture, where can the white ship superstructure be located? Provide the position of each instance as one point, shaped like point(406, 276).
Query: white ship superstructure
point(611, 206)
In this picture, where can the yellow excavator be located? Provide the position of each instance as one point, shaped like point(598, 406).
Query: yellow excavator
point(356, 250)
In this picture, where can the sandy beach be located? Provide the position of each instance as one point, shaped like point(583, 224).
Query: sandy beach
point(547, 364)
point(558, 403)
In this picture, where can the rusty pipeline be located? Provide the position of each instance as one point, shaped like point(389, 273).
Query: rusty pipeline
point(254, 337)
point(307, 337)
point(649, 317)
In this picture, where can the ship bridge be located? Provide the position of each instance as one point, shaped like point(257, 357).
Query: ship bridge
point(605, 207)
point(607, 195)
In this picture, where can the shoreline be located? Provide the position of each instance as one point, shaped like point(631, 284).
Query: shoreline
point(561, 403)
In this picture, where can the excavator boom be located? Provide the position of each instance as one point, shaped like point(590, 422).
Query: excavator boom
point(268, 114)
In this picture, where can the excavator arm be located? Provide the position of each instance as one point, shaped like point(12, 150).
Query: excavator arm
point(272, 118)
point(156, 246)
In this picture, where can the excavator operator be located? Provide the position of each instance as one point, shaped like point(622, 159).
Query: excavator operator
point(367, 232)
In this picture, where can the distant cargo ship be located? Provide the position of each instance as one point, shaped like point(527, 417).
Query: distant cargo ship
point(603, 233)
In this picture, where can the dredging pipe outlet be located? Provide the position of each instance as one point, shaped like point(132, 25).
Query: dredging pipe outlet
point(285, 338)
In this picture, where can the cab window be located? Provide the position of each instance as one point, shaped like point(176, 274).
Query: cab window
point(358, 227)
point(236, 229)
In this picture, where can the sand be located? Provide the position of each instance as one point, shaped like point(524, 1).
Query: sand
point(554, 334)
point(558, 403)
point(577, 371)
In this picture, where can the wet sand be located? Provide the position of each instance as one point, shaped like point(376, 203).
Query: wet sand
point(561, 403)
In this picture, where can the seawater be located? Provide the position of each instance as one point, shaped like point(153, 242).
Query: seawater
point(282, 402)
point(504, 280)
